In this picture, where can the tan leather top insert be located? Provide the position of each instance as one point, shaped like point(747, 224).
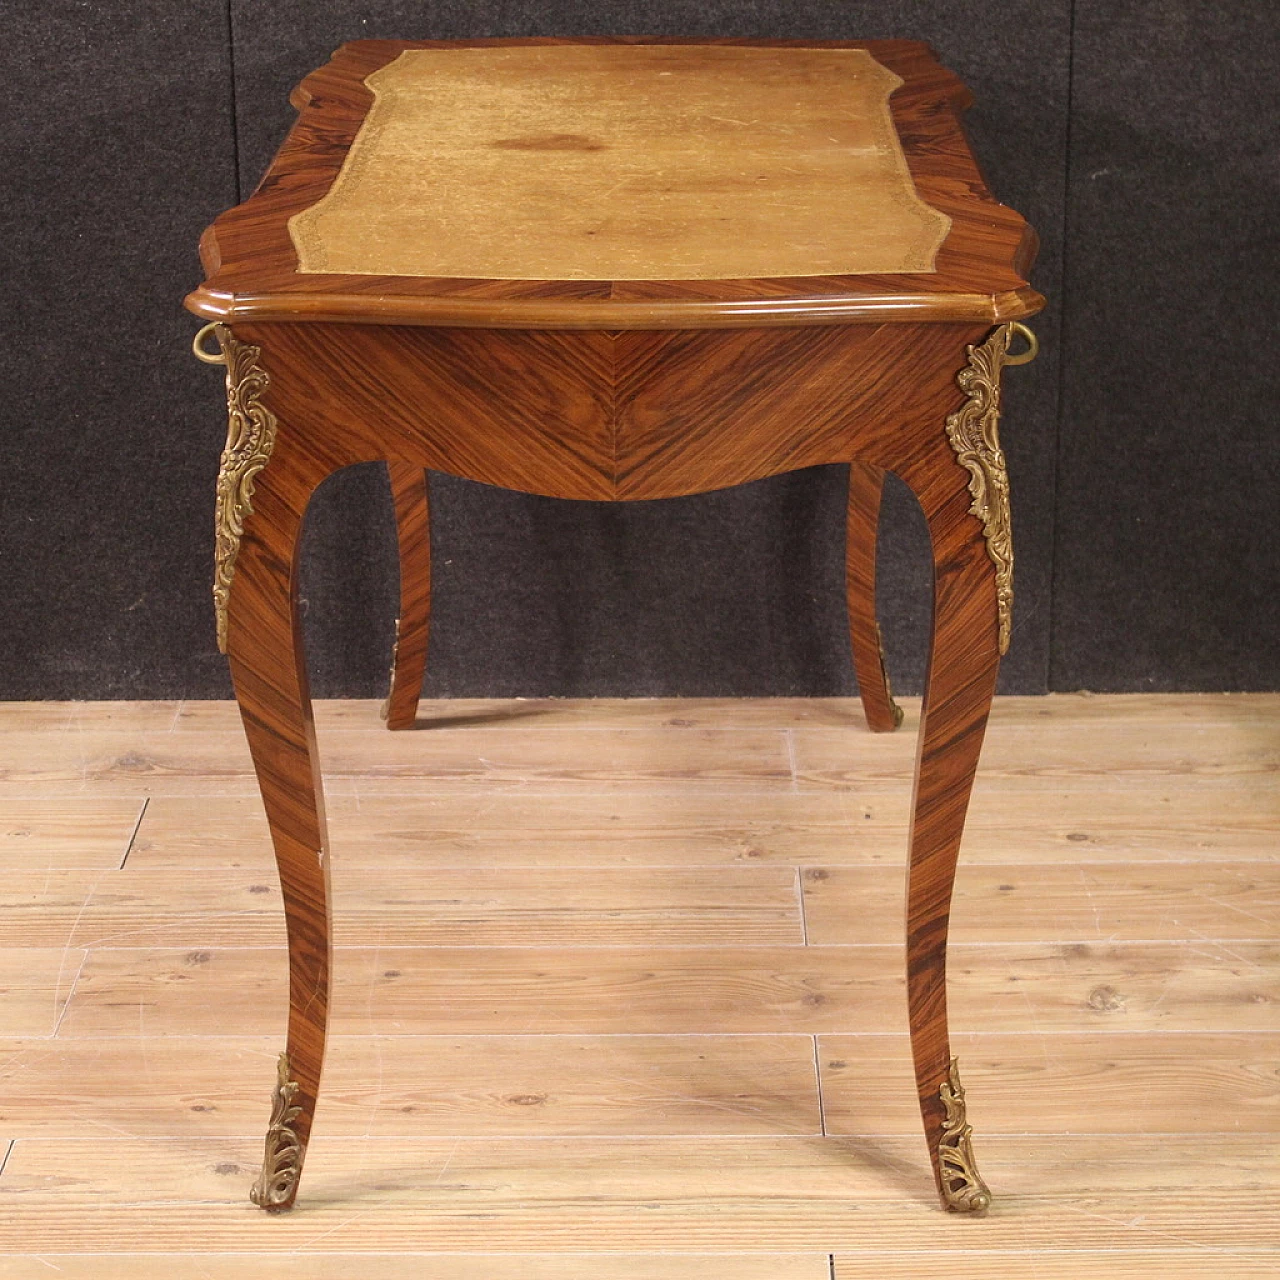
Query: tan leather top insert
point(624, 162)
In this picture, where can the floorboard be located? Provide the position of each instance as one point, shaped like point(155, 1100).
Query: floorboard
point(619, 994)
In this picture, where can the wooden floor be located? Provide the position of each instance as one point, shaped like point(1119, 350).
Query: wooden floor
point(619, 995)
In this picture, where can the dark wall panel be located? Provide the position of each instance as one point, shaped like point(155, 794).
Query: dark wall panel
point(119, 147)
point(737, 592)
point(1169, 481)
point(116, 150)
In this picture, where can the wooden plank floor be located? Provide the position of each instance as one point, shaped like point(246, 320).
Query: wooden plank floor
point(619, 995)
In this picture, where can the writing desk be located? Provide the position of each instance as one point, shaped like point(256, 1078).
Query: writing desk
point(618, 269)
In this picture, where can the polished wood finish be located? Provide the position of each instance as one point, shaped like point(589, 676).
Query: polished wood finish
point(269, 672)
point(607, 416)
point(683, 420)
point(410, 496)
point(611, 390)
point(502, 1111)
point(866, 486)
point(413, 536)
point(979, 275)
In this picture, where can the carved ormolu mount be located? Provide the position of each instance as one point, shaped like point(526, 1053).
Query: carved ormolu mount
point(251, 435)
point(282, 1160)
point(963, 1189)
point(974, 433)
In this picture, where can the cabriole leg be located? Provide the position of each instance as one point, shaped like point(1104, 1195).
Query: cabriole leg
point(959, 687)
point(962, 483)
point(263, 491)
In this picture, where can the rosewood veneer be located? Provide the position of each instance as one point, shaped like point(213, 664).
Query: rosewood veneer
point(618, 269)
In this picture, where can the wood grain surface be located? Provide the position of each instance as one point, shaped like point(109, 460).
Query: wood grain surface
point(624, 416)
point(866, 486)
point(35, 985)
point(755, 1195)
point(410, 497)
point(1009, 824)
point(79, 833)
point(979, 274)
point(609, 416)
point(740, 904)
point(409, 491)
point(604, 413)
point(649, 1109)
point(566, 1084)
point(650, 389)
point(1074, 986)
point(429, 1266)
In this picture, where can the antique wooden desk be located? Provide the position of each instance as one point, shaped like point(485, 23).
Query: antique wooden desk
point(618, 269)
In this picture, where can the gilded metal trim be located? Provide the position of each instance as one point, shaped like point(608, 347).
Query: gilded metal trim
point(963, 1189)
point(282, 1160)
point(898, 714)
point(251, 435)
point(385, 710)
point(201, 352)
point(974, 433)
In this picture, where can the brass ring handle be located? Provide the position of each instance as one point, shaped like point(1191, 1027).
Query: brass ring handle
point(201, 352)
point(1033, 344)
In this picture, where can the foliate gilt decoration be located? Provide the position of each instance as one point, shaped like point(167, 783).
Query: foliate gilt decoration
point(282, 1161)
point(962, 1186)
point(251, 435)
point(973, 431)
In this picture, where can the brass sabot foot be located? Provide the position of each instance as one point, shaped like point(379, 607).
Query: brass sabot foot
point(282, 1161)
point(963, 1190)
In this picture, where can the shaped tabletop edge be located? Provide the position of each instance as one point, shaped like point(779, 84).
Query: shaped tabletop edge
point(252, 270)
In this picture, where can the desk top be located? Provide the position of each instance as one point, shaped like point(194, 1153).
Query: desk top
point(622, 184)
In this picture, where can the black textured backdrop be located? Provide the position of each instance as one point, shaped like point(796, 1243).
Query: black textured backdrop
point(1137, 137)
